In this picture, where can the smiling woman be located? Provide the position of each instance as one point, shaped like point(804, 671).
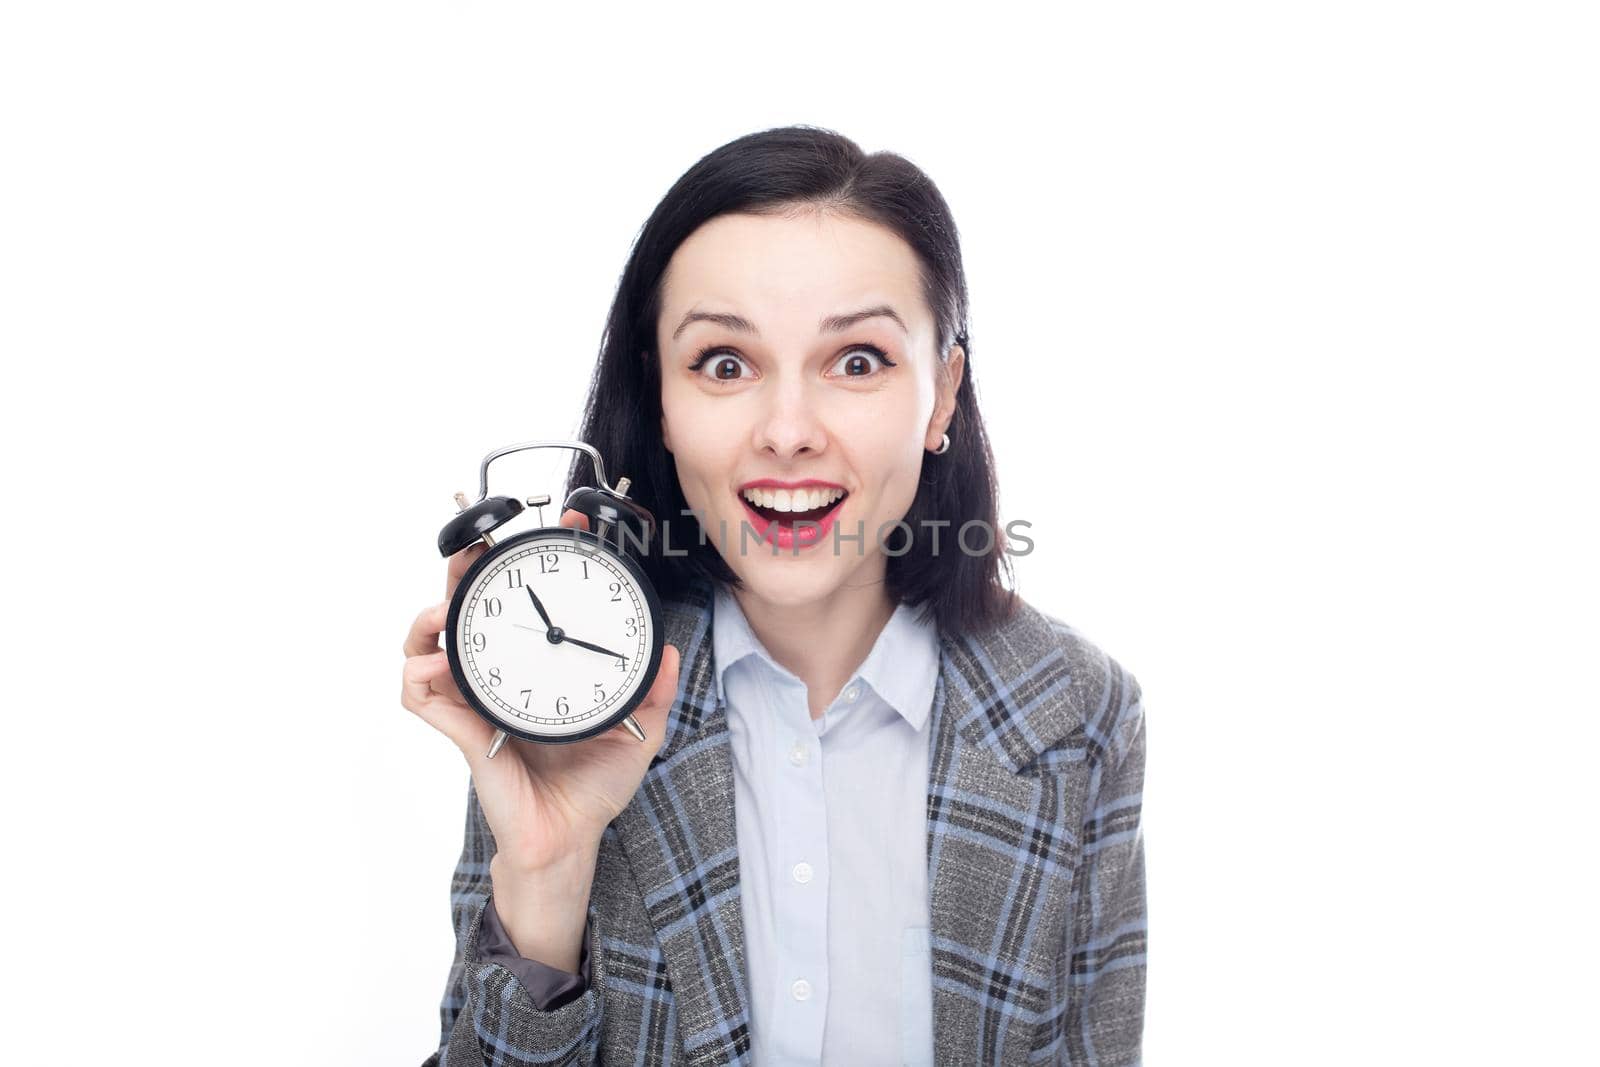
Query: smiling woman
point(894, 815)
point(815, 372)
point(792, 287)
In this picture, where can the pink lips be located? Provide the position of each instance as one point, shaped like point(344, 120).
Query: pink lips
point(786, 535)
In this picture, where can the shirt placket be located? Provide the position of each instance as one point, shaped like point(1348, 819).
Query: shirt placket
point(799, 878)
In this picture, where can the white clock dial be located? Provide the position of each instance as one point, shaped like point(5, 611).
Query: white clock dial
point(598, 609)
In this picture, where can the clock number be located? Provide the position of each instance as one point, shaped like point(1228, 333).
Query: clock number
point(494, 675)
point(514, 578)
point(549, 563)
point(621, 665)
point(491, 607)
point(633, 626)
point(599, 693)
point(585, 565)
point(479, 642)
point(616, 592)
point(561, 705)
point(527, 696)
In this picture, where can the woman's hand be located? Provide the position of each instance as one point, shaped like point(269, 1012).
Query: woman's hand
point(549, 803)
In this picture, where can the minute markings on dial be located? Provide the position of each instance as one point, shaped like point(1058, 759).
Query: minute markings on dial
point(623, 597)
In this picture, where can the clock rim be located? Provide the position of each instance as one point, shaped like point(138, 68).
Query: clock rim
point(652, 602)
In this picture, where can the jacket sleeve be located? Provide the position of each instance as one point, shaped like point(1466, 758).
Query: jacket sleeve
point(487, 1017)
point(549, 987)
point(1106, 977)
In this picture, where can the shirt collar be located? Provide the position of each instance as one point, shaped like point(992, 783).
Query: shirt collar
point(731, 637)
point(902, 667)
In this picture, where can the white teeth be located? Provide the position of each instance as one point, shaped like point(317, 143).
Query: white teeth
point(793, 499)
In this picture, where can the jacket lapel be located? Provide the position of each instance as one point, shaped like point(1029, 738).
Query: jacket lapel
point(1005, 795)
point(680, 839)
point(1001, 844)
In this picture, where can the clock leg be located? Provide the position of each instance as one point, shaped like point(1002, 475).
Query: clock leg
point(494, 746)
point(633, 728)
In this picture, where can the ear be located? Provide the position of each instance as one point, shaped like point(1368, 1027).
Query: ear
point(666, 438)
point(948, 385)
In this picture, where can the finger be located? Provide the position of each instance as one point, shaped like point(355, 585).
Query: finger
point(572, 517)
point(423, 636)
point(450, 717)
point(445, 686)
point(417, 677)
point(459, 564)
point(653, 711)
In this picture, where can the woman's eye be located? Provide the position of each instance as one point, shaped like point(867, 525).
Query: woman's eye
point(862, 361)
point(721, 366)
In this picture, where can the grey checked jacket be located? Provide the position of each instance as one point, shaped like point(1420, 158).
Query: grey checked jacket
point(1035, 874)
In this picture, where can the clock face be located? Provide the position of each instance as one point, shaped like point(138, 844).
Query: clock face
point(544, 584)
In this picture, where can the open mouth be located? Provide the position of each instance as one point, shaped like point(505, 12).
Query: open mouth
point(790, 517)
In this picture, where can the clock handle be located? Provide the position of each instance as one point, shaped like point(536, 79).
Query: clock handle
point(574, 446)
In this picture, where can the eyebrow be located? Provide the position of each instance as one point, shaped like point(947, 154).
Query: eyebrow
point(829, 323)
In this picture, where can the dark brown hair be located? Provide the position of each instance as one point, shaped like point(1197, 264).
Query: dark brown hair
point(771, 172)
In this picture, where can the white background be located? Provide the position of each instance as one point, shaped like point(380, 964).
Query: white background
point(1284, 320)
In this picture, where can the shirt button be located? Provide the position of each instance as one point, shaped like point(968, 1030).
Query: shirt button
point(851, 694)
point(802, 873)
point(801, 989)
point(799, 754)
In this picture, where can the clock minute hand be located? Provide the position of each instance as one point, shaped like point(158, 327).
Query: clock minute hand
point(594, 648)
point(539, 607)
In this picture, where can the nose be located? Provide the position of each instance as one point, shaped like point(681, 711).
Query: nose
point(789, 426)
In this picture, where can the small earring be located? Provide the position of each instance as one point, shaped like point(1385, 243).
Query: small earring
point(944, 445)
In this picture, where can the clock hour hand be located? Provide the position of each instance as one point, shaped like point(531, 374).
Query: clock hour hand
point(539, 607)
point(594, 648)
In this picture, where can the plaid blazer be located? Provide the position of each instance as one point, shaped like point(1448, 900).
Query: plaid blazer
point(1035, 874)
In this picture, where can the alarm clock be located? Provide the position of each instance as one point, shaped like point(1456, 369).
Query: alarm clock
point(554, 634)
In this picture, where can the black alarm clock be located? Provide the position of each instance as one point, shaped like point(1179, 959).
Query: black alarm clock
point(554, 634)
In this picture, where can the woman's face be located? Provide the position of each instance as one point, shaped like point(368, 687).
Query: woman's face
point(772, 376)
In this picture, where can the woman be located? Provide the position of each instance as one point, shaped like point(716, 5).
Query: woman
point(887, 812)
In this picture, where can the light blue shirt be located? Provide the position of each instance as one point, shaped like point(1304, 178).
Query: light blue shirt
point(832, 831)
